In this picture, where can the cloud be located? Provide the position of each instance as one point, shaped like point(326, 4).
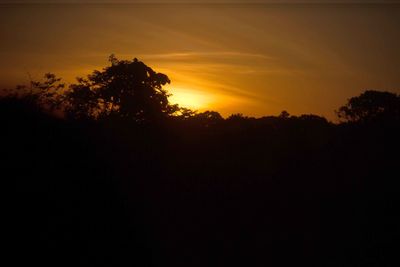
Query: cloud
point(209, 54)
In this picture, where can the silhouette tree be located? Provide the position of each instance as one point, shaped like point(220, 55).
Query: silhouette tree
point(46, 94)
point(284, 115)
point(126, 89)
point(371, 105)
point(312, 118)
point(185, 113)
point(208, 118)
point(237, 117)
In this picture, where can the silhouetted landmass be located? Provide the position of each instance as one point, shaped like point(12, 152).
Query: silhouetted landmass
point(107, 172)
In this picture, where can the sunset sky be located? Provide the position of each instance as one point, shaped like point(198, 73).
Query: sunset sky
point(256, 59)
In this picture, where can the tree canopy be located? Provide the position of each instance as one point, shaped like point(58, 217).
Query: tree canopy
point(371, 105)
point(127, 89)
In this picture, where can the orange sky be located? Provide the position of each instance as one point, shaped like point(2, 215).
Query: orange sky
point(256, 59)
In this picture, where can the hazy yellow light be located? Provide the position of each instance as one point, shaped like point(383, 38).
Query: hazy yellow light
point(190, 98)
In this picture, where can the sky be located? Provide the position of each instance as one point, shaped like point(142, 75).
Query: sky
point(229, 56)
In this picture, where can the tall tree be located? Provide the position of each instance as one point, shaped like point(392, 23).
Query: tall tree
point(126, 89)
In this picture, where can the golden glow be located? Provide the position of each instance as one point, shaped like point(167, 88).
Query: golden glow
point(190, 98)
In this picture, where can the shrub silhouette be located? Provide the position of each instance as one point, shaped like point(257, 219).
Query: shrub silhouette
point(371, 105)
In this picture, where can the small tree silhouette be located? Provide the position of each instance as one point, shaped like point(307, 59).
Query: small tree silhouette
point(46, 94)
point(284, 115)
point(371, 105)
point(208, 118)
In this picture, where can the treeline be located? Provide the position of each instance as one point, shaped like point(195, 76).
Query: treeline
point(106, 172)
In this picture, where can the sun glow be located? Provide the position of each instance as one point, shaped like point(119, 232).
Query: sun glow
point(190, 98)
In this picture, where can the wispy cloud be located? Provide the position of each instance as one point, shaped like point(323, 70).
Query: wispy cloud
point(215, 54)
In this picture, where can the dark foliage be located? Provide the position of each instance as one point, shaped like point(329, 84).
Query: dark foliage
point(371, 106)
point(195, 189)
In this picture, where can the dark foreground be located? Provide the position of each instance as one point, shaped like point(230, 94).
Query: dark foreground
point(268, 192)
